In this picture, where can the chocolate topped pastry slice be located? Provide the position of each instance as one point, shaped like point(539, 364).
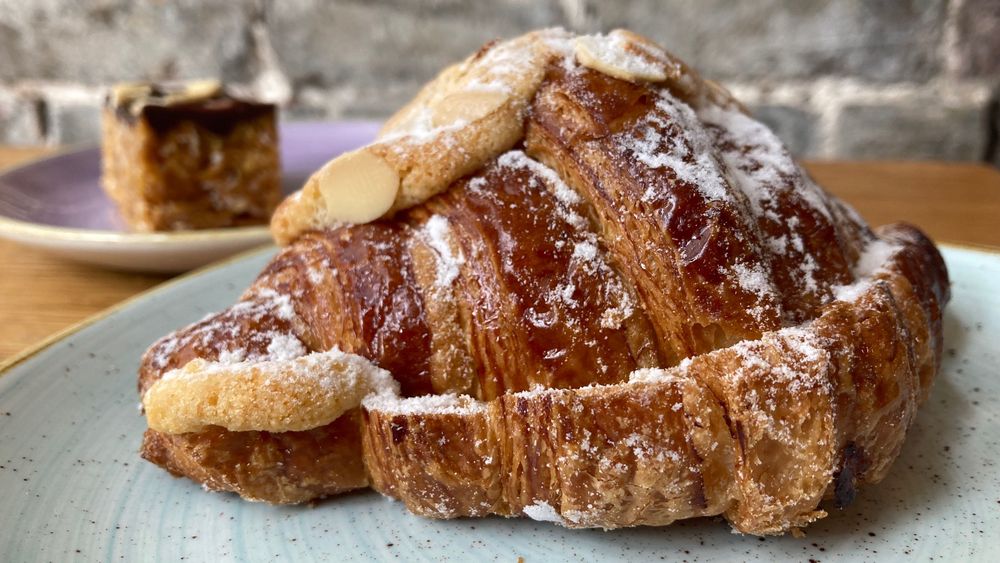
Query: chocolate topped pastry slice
point(189, 156)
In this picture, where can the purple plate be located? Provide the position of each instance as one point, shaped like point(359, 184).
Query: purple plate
point(57, 203)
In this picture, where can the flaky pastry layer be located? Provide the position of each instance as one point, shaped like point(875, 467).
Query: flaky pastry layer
point(641, 310)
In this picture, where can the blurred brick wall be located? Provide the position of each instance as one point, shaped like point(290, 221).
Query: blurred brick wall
point(836, 79)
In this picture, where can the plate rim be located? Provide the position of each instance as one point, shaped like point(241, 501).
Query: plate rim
point(20, 230)
point(7, 365)
point(18, 227)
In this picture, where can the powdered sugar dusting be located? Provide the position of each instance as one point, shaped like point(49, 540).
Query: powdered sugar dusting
point(760, 164)
point(614, 50)
point(543, 512)
point(419, 128)
point(496, 70)
point(317, 273)
point(266, 301)
point(658, 375)
point(437, 233)
point(333, 370)
point(754, 279)
point(285, 347)
point(501, 66)
point(793, 375)
point(851, 292)
point(218, 334)
point(517, 159)
point(876, 256)
point(232, 356)
point(586, 247)
point(674, 138)
point(559, 43)
point(584, 251)
point(314, 275)
point(449, 403)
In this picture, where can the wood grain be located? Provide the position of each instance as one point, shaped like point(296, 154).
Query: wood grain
point(951, 202)
point(42, 294)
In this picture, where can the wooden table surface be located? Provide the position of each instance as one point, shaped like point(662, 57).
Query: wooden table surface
point(959, 203)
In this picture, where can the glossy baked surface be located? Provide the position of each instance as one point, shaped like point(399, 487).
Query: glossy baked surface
point(635, 224)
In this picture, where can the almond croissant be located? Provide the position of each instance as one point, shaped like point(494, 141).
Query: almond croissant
point(596, 292)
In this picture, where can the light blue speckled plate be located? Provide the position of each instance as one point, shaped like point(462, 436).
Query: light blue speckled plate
point(73, 487)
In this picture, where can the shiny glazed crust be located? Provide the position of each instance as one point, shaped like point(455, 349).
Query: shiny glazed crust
point(640, 311)
point(760, 432)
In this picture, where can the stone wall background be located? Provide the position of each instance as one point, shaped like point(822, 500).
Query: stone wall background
point(836, 79)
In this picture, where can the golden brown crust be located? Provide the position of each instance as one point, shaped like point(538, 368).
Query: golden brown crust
point(478, 105)
point(281, 468)
point(759, 432)
point(642, 224)
point(451, 364)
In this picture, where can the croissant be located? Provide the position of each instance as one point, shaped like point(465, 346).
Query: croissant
point(572, 280)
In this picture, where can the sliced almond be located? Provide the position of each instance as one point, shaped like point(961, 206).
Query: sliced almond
point(466, 106)
point(128, 92)
point(719, 95)
point(203, 88)
point(194, 91)
point(358, 187)
point(638, 43)
point(619, 56)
